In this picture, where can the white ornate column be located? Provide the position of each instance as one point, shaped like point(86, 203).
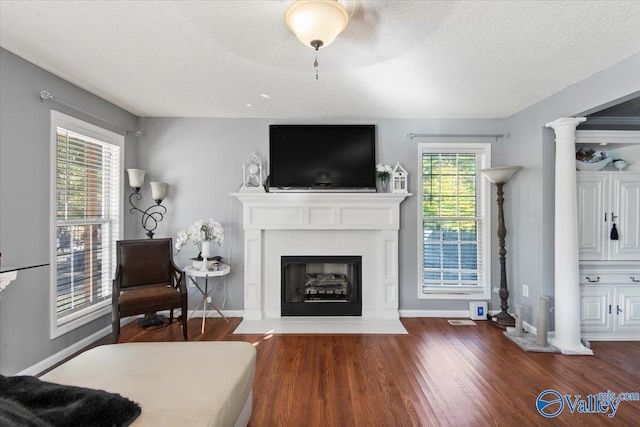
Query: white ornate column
point(567, 280)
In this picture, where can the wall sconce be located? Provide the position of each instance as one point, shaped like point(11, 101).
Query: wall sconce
point(154, 213)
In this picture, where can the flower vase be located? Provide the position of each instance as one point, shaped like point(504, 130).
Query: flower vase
point(205, 253)
point(384, 181)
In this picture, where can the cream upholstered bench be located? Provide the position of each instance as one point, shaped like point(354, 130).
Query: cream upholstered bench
point(184, 384)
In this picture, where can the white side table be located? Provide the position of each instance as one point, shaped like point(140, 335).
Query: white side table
point(193, 274)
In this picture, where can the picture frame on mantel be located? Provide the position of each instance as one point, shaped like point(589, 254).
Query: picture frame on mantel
point(252, 175)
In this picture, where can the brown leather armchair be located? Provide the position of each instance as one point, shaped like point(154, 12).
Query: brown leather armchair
point(146, 281)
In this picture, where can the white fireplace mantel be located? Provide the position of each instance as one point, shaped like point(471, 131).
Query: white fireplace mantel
point(363, 224)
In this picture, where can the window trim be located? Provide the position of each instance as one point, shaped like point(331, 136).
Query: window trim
point(59, 327)
point(483, 292)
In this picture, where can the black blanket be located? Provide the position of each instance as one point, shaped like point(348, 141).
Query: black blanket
point(26, 401)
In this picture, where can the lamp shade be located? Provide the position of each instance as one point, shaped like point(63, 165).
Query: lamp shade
point(500, 175)
point(313, 20)
point(136, 177)
point(158, 190)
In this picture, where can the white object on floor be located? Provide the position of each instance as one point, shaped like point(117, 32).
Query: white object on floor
point(458, 322)
point(528, 342)
point(478, 310)
point(321, 325)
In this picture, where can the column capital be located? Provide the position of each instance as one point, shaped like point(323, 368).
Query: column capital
point(566, 121)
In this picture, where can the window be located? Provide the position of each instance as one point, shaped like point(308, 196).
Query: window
point(86, 220)
point(454, 256)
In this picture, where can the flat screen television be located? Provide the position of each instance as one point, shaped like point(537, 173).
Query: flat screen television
point(322, 158)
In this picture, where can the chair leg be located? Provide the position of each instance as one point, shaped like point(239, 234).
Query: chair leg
point(171, 316)
point(184, 324)
point(115, 327)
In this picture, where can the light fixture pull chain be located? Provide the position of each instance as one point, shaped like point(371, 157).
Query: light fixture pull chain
point(317, 44)
point(315, 63)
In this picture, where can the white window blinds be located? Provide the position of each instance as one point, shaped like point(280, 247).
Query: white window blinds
point(454, 225)
point(87, 203)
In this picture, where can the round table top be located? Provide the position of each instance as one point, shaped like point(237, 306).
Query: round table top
point(221, 270)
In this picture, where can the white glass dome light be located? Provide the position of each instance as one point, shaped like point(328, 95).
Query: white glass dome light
point(316, 23)
point(500, 175)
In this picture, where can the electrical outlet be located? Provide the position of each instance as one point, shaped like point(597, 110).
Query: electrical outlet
point(209, 299)
point(525, 290)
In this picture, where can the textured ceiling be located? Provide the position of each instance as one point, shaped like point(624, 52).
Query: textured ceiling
point(396, 59)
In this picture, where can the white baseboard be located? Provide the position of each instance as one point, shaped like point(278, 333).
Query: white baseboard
point(52, 360)
point(434, 313)
point(213, 313)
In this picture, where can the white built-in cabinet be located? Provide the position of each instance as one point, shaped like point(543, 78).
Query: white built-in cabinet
point(609, 269)
point(610, 307)
point(605, 198)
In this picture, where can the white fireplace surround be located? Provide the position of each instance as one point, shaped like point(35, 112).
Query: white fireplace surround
point(302, 224)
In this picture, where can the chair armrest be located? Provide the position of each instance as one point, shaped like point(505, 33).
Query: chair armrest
point(117, 277)
point(179, 277)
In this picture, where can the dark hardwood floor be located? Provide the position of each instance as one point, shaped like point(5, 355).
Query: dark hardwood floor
point(438, 375)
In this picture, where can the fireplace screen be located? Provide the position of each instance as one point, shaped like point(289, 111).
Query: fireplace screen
point(321, 286)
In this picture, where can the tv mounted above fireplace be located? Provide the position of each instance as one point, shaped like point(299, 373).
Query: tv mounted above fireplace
point(338, 158)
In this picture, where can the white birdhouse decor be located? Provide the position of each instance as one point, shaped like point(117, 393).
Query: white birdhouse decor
point(399, 179)
point(252, 174)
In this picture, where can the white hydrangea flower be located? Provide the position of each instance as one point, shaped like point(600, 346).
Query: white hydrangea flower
point(384, 171)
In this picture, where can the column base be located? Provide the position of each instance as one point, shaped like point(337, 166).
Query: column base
point(576, 349)
point(503, 320)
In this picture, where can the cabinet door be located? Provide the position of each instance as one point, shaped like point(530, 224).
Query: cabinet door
point(626, 207)
point(592, 228)
point(628, 309)
point(595, 308)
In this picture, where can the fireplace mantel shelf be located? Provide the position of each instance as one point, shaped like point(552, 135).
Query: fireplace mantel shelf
point(360, 224)
point(321, 211)
point(321, 196)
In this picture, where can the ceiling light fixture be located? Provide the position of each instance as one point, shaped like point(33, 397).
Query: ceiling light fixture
point(316, 23)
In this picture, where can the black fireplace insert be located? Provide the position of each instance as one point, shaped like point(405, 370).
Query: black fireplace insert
point(321, 286)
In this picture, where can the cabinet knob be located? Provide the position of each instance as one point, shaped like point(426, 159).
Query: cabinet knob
point(596, 280)
point(618, 309)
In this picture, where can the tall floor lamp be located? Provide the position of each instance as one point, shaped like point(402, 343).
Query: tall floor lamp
point(499, 176)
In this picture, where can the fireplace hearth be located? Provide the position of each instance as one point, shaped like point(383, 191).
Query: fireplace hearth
point(321, 286)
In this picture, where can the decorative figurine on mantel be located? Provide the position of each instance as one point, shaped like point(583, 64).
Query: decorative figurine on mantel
point(399, 178)
point(252, 175)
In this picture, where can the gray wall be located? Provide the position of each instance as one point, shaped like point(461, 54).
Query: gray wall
point(531, 193)
point(24, 205)
point(201, 159)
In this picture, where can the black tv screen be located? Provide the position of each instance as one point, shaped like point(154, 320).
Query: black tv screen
point(322, 157)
